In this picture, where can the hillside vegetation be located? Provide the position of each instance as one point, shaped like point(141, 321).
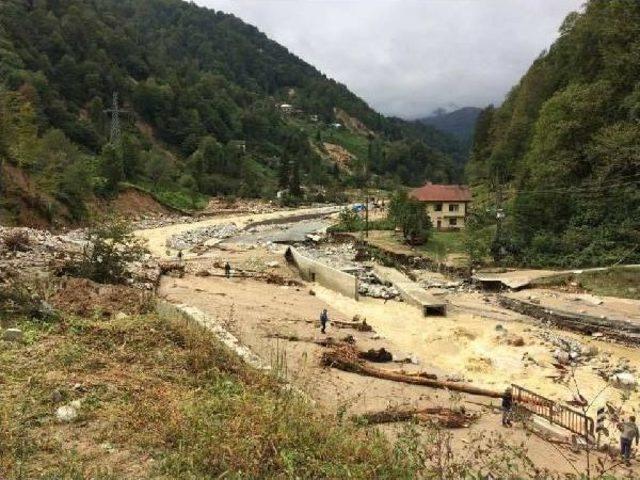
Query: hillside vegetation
point(194, 85)
point(460, 123)
point(564, 148)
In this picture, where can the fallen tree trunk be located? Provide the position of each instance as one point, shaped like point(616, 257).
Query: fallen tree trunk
point(360, 326)
point(444, 417)
point(348, 361)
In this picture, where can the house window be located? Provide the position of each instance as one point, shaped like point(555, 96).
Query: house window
point(454, 207)
point(453, 222)
point(437, 207)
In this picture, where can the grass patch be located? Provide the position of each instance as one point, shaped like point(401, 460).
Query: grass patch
point(442, 244)
point(439, 246)
point(163, 399)
point(617, 282)
point(357, 145)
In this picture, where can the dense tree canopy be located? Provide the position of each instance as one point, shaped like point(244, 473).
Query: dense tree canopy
point(565, 145)
point(200, 91)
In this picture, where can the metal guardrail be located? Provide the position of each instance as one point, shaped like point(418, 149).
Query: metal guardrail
point(572, 420)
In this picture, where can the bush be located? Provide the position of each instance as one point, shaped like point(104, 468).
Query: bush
point(111, 247)
point(16, 241)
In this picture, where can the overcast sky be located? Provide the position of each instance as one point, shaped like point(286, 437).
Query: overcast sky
point(409, 57)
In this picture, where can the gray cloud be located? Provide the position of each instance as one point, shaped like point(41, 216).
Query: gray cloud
point(409, 57)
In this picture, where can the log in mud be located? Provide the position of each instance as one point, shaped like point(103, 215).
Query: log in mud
point(347, 359)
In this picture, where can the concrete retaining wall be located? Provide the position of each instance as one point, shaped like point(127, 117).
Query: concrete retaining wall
point(314, 271)
point(192, 314)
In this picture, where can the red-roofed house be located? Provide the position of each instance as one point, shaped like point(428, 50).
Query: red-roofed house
point(447, 205)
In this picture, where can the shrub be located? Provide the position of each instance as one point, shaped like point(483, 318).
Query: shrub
point(16, 241)
point(111, 247)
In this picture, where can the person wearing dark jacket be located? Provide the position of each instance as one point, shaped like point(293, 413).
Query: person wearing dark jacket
point(227, 270)
point(324, 319)
point(507, 407)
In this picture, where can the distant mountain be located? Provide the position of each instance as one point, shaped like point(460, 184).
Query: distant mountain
point(460, 123)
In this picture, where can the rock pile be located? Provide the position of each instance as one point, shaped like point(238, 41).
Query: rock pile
point(40, 248)
point(340, 256)
point(371, 286)
point(191, 238)
point(567, 350)
point(620, 373)
point(378, 291)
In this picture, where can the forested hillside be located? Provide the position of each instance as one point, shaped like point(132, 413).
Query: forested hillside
point(460, 123)
point(202, 94)
point(564, 148)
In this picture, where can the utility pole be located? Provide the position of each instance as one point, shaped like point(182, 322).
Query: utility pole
point(116, 133)
point(366, 189)
point(499, 217)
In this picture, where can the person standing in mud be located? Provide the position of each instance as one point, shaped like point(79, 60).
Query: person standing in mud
point(324, 319)
point(227, 270)
point(507, 408)
point(628, 433)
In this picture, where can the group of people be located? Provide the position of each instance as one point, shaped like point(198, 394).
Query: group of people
point(628, 430)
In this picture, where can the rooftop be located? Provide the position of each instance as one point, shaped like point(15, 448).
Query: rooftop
point(442, 193)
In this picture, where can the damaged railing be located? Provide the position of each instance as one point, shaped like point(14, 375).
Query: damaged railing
point(572, 420)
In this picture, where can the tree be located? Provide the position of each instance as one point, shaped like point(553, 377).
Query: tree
point(411, 216)
point(294, 183)
point(111, 248)
point(112, 167)
point(284, 172)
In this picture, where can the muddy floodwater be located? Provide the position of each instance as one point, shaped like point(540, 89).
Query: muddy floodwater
point(470, 346)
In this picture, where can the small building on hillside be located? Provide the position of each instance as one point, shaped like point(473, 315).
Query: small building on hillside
point(286, 108)
point(447, 205)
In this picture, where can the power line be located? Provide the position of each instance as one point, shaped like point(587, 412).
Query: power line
point(580, 189)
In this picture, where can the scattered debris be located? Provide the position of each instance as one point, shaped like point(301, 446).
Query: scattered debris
point(380, 356)
point(80, 296)
point(191, 238)
point(369, 285)
point(345, 357)
point(624, 379)
point(362, 326)
point(441, 416)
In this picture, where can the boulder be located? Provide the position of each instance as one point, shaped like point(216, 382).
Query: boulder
point(625, 379)
point(12, 335)
point(66, 413)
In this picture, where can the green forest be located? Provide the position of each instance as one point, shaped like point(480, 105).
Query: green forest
point(561, 156)
point(200, 93)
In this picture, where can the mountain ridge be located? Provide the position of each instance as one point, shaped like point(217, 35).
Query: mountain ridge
point(204, 82)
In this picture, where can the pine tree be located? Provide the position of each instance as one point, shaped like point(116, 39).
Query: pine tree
point(284, 172)
point(294, 184)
